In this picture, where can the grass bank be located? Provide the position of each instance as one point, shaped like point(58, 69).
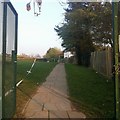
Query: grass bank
point(31, 82)
point(91, 92)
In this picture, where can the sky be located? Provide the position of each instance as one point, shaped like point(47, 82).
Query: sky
point(36, 34)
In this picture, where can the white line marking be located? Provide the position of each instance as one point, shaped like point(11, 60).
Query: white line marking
point(8, 92)
point(28, 72)
point(19, 83)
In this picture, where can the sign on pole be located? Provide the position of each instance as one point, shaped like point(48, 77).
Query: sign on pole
point(8, 57)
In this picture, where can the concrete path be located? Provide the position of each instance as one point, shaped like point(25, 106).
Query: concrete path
point(51, 100)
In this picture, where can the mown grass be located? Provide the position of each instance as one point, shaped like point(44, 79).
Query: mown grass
point(92, 93)
point(31, 82)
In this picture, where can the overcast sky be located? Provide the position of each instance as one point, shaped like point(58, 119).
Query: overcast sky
point(36, 34)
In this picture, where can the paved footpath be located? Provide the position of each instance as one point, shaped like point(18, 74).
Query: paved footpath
point(51, 101)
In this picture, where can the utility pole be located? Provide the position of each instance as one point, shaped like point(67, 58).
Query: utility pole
point(116, 62)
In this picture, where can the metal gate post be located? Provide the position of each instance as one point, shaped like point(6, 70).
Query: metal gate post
point(1, 14)
point(116, 62)
point(4, 55)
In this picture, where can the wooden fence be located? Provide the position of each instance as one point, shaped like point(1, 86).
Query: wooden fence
point(101, 61)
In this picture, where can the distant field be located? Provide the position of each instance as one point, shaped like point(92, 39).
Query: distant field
point(91, 92)
point(30, 84)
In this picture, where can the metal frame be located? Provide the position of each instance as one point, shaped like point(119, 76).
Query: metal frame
point(5, 5)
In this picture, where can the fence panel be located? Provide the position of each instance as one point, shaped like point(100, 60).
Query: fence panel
point(101, 61)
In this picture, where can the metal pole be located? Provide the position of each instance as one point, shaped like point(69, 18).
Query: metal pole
point(1, 42)
point(4, 56)
point(115, 38)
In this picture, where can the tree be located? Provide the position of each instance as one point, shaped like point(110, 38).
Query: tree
point(53, 53)
point(101, 27)
point(75, 33)
point(87, 26)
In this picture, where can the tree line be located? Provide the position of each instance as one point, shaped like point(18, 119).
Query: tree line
point(87, 27)
point(53, 54)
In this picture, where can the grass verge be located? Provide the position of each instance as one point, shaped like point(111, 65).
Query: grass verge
point(91, 93)
point(31, 82)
